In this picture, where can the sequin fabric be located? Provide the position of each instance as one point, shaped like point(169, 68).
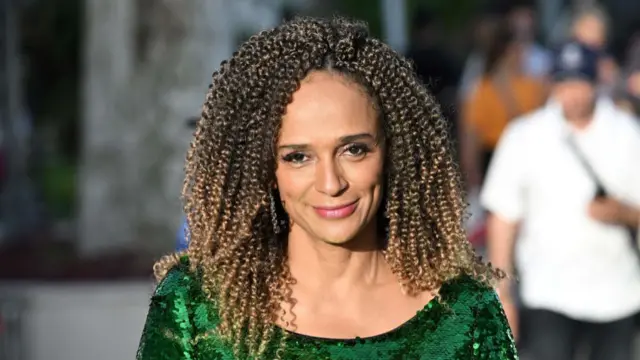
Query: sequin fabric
point(465, 322)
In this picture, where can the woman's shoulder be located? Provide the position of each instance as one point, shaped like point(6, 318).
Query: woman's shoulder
point(183, 285)
point(471, 320)
point(468, 292)
point(472, 304)
point(181, 288)
point(177, 278)
point(179, 316)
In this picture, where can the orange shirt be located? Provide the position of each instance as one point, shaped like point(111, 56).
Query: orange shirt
point(486, 110)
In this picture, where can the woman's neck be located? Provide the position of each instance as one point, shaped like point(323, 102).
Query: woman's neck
point(317, 265)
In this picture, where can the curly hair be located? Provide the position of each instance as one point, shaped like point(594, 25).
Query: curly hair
point(230, 172)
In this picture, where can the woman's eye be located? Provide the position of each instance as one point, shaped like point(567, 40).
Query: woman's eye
point(357, 150)
point(295, 158)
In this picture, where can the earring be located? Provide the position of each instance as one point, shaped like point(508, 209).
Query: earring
point(274, 214)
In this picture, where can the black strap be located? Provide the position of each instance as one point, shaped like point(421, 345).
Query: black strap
point(601, 191)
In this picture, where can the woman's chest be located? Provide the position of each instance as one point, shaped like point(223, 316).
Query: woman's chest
point(426, 339)
point(361, 320)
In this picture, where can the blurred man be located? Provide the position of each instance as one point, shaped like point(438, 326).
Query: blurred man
point(565, 182)
point(536, 59)
point(591, 28)
point(521, 17)
point(482, 35)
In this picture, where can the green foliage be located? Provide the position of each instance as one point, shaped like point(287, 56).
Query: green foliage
point(453, 14)
point(58, 185)
point(51, 34)
point(50, 39)
point(367, 10)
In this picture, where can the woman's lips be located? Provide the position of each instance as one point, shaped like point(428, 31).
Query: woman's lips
point(336, 212)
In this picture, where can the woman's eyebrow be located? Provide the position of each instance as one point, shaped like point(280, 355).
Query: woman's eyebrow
point(356, 137)
point(343, 140)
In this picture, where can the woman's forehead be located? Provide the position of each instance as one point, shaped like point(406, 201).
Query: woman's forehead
point(328, 106)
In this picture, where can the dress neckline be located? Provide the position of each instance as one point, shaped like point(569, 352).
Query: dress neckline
point(384, 335)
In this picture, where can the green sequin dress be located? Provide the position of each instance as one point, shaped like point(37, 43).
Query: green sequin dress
point(466, 322)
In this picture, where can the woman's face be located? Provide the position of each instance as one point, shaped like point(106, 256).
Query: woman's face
point(330, 158)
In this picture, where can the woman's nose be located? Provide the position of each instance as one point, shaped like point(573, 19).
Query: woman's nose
point(329, 179)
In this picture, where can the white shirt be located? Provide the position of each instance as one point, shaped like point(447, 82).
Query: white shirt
point(568, 262)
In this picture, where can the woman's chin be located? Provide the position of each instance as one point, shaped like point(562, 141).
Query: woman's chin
point(336, 236)
point(336, 239)
point(350, 240)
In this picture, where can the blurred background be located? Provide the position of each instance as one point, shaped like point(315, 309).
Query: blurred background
point(97, 100)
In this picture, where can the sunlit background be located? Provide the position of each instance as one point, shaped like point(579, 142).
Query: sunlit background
point(96, 98)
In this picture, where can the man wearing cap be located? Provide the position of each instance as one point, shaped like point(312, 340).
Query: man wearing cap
point(563, 191)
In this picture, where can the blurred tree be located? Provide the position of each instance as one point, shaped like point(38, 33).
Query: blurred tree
point(366, 10)
point(148, 64)
point(147, 67)
point(453, 14)
point(50, 43)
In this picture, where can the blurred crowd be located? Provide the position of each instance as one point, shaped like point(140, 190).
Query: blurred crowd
point(549, 146)
point(548, 141)
point(507, 73)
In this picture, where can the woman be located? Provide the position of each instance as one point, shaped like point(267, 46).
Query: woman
point(325, 215)
point(502, 93)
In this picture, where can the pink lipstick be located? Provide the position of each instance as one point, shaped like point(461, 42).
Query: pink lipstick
point(336, 212)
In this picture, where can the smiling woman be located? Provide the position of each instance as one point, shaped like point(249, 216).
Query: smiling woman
point(331, 180)
point(325, 215)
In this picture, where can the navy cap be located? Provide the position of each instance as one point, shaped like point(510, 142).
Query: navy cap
point(574, 61)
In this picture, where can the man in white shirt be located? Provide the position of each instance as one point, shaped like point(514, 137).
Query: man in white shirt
point(573, 251)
